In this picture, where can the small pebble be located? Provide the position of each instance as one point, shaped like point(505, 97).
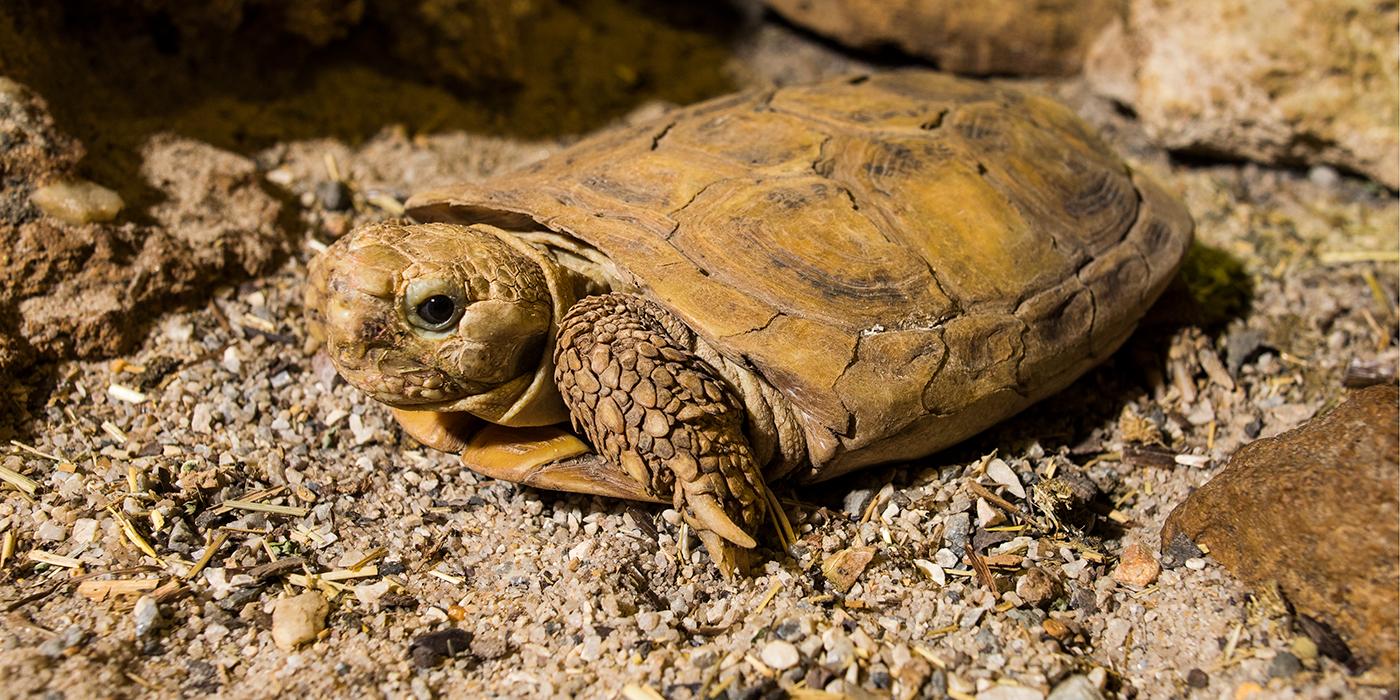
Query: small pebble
point(1010, 692)
point(1099, 677)
point(1001, 473)
point(1196, 678)
point(77, 202)
point(1284, 665)
point(1076, 687)
point(1248, 689)
point(1055, 628)
point(429, 650)
point(1323, 175)
point(780, 655)
point(1137, 567)
point(333, 195)
point(51, 531)
point(855, 501)
point(298, 619)
point(1195, 563)
point(789, 629)
point(844, 567)
point(1304, 648)
point(146, 615)
point(1037, 587)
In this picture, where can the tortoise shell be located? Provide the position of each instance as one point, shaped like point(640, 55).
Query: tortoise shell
point(908, 257)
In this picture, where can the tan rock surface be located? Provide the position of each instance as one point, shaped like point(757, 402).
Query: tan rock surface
point(1315, 510)
point(1019, 37)
point(1276, 81)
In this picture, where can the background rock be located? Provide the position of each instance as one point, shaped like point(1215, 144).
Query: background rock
point(1297, 82)
point(1018, 37)
point(1315, 510)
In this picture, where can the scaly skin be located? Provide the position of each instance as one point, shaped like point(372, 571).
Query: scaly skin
point(649, 405)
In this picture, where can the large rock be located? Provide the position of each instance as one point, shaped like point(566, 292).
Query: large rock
point(1315, 510)
point(1276, 81)
point(74, 285)
point(1017, 37)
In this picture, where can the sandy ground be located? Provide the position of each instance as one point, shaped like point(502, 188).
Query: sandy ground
point(564, 594)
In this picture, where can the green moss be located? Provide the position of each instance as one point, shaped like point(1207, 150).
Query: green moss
point(1218, 284)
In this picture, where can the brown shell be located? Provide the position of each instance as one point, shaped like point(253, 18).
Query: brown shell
point(908, 257)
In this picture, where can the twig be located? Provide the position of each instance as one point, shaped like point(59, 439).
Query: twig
point(980, 566)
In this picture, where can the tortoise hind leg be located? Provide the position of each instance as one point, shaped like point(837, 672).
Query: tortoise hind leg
point(650, 406)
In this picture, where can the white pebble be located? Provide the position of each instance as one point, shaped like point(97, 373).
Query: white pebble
point(1195, 563)
point(202, 419)
point(145, 614)
point(84, 530)
point(298, 619)
point(233, 362)
point(51, 531)
point(1001, 473)
point(780, 655)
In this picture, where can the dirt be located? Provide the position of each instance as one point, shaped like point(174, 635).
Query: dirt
point(555, 594)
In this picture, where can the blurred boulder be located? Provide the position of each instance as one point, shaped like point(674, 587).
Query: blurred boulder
point(1315, 510)
point(1292, 82)
point(1007, 37)
point(75, 283)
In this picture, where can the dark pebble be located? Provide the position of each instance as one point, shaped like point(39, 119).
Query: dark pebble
point(1284, 665)
point(818, 676)
point(788, 630)
point(1196, 678)
point(1178, 550)
point(333, 195)
point(1084, 599)
point(880, 679)
point(429, 650)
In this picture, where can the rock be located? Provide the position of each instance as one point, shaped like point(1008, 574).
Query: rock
point(429, 650)
point(88, 290)
point(1315, 510)
point(1304, 648)
point(1010, 692)
point(1022, 37)
point(1076, 687)
point(844, 567)
point(856, 500)
point(1196, 678)
point(1136, 567)
point(1179, 551)
point(145, 615)
point(490, 643)
point(780, 655)
point(1055, 628)
point(1276, 81)
point(334, 195)
point(1284, 665)
point(298, 619)
point(1037, 587)
point(77, 202)
point(956, 533)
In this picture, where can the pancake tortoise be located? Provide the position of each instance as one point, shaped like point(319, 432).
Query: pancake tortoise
point(778, 284)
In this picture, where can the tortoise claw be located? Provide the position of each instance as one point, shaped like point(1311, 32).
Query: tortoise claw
point(709, 515)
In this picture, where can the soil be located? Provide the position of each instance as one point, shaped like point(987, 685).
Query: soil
point(219, 430)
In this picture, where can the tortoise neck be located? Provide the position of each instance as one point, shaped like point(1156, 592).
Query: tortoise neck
point(533, 399)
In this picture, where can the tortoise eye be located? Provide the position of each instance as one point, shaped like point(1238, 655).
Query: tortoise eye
point(437, 310)
point(433, 305)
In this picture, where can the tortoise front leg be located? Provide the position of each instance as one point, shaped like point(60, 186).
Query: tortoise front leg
point(650, 406)
point(544, 457)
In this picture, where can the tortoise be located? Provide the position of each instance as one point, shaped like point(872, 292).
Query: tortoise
point(787, 283)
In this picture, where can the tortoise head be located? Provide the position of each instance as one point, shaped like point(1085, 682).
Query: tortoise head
point(440, 317)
